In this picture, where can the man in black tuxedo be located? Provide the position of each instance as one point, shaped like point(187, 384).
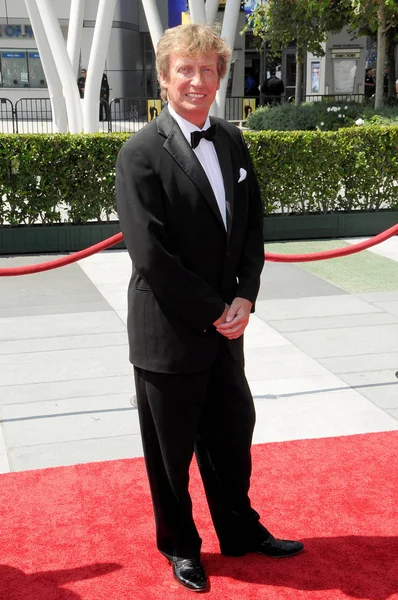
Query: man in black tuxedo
point(191, 215)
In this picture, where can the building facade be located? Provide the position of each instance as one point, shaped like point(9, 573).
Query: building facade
point(129, 65)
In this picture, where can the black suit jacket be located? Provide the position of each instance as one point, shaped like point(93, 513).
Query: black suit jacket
point(186, 265)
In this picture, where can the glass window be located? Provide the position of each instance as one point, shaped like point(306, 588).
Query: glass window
point(37, 78)
point(14, 69)
point(21, 69)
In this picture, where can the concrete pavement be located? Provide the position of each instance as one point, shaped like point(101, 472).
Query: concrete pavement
point(321, 360)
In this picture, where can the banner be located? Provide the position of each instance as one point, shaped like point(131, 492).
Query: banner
point(176, 8)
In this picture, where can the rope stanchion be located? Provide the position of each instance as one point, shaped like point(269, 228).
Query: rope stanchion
point(64, 260)
point(269, 256)
point(336, 253)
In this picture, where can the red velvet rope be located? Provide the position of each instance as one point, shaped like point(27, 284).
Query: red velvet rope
point(115, 239)
point(336, 253)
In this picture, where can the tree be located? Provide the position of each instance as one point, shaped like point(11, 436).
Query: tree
point(307, 22)
point(379, 16)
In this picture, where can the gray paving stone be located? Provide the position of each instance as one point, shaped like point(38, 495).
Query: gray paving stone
point(374, 297)
point(291, 325)
point(33, 294)
point(101, 340)
point(54, 325)
point(381, 387)
point(4, 464)
point(360, 363)
point(281, 362)
point(390, 307)
point(53, 299)
point(50, 428)
point(64, 365)
point(73, 388)
point(283, 280)
point(75, 406)
point(347, 341)
point(65, 308)
point(300, 308)
point(72, 453)
point(393, 412)
point(325, 415)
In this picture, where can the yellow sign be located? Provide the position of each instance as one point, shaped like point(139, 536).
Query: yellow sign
point(185, 18)
point(248, 106)
point(154, 108)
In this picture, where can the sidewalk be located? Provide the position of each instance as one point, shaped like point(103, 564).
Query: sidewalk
point(321, 355)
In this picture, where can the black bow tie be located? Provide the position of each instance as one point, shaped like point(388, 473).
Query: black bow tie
point(208, 134)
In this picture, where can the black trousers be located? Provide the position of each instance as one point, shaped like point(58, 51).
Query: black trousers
point(212, 414)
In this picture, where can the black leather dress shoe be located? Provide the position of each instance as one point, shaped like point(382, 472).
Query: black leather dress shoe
point(278, 548)
point(190, 574)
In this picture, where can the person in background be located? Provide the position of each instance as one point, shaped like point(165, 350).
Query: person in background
point(104, 98)
point(369, 83)
point(251, 88)
point(191, 214)
point(81, 82)
point(385, 81)
point(273, 88)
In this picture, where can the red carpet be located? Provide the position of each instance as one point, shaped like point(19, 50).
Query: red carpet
point(86, 532)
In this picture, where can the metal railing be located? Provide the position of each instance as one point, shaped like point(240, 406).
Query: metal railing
point(33, 115)
point(129, 114)
point(7, 116)
point(359, 98)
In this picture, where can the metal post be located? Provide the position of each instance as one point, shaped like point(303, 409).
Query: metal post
point(95, 69)
point(68, 78)
point(197, 12)
point(75, 31)
point(228, 32)
point(211, 8)
point(153, 19)
point(59, 114)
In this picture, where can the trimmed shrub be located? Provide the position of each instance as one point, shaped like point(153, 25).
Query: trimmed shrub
point(324, 116)
point(319, 172)
point(55, 178)
point(43, 177)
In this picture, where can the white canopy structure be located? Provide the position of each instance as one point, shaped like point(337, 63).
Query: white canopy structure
point(60, 59)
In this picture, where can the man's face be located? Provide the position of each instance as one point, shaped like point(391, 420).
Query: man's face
point(191, 85)
point(84, 73)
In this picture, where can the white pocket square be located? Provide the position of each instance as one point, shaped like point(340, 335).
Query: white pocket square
point(242, 174)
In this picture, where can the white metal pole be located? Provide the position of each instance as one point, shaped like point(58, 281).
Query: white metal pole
point(197, 11)
point(68, 78)
point(211, 8)
point(75, 32)
point(95, 69)
point(60, 119)
point(153, 19)
point(228, 32)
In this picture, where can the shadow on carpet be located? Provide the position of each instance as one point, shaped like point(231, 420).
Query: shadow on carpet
point(86, 532)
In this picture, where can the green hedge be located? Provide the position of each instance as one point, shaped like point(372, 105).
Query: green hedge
point(49, 178)
point(54, 178)
point(322, 116)
point(319, 172)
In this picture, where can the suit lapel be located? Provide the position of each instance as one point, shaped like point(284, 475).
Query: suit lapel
point(180, 150)
point(222, 146)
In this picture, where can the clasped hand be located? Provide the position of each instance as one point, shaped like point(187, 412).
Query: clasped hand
point(234, 319)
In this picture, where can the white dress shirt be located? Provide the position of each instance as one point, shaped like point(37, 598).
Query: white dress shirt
point(207, 157)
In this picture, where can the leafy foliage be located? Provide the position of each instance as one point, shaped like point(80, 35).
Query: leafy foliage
point(319, 172)
point(323, 116)
point(51, 178)
point(56, 178)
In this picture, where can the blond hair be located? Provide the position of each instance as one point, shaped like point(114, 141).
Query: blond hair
point(190, 40)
